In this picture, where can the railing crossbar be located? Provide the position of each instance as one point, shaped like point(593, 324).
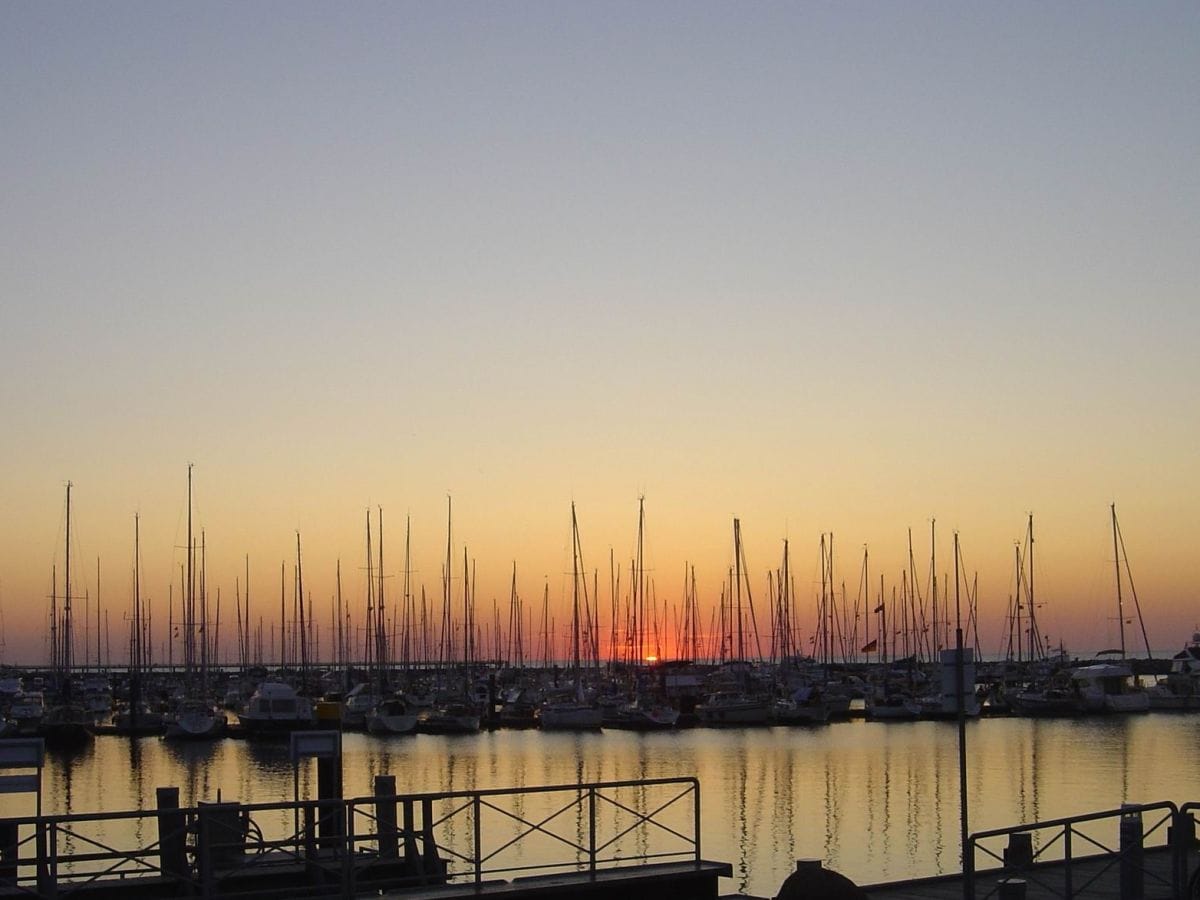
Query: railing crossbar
point(450, 815)
point(644, 819)
point(533, 827)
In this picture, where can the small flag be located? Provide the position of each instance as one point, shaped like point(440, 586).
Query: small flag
point(870, 647)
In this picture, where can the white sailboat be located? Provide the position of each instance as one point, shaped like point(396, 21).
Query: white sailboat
point(194, 717)
point(572, 711)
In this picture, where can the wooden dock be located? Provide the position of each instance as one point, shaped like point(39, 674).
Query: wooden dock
point(1094, 878)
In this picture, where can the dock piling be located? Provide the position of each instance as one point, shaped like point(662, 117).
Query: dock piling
point(385, 816)
point(1132, 853)
point(172, 833)
point(8, 853)
point(1018, 854)
point(329, 793)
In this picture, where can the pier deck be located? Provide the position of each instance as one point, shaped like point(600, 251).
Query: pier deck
point(1094, 878)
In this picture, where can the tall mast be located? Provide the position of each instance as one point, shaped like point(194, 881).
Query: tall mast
point(189, 613)
point(574, 593)
point(203, 614)
point(66, 635)
point(303, 636)
point(97, 614)
point(1017, 604)
point(137, 596)
point(447, 628)
point(737, 567)
point(341, 634)
point(1117, 564)
point(1032, 608)
point(408, 617)
point(937, 640)
point(246, 630)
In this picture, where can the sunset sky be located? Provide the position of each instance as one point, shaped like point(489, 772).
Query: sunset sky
point(843, 267)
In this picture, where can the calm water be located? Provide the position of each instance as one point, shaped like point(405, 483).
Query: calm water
point(876, 801)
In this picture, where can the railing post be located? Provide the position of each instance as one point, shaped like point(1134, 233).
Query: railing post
point(310, 832)
point(1132, 881)
point(1182, 837)
point(475, 801)
point(385, 816)
point(968, 863)
point(204, 853)
point(430, 859)
point(592, 829)
point(1068, 863)
point(412, 858)
point(9, 855)
point(47, 846)
point(348, 851)
point(172, 834)
point(696, 816)
point(332, 818)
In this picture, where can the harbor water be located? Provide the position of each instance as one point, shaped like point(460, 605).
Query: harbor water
point(878, 802)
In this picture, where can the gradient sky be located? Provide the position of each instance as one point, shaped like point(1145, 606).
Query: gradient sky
point(838, 266)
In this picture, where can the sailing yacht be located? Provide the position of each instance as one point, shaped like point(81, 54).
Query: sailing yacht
point(66, 722)
point(195, 717)
point(571, 709)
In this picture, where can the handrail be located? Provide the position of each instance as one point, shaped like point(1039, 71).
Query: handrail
point(1066, 832)
point(215, 848)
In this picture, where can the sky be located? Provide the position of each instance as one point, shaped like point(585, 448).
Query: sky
point(845, 268)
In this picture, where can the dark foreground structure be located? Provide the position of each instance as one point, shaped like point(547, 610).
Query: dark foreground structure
point(615, 840)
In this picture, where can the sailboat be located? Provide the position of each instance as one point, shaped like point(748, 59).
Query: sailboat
point(137, 718)
point(194, 717)
point(452, 712)
point(388, 714)
point(739, 705)
point(571, 711)
point(276, 707)
point(1111, 687)
point(648, 710)
point(66, 723)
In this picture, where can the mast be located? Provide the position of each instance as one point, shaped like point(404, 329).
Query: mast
point(381, 653)
point(737, 567)
point(937, 640)
point(282, 614)
point(303, 635)
point(575, 593)
point(189, 612)
point(137, 596)
point(1032, 607)
point(66, 635)
point(246, 630)
point(408, 650)
point(341, 634)
point(1017, 604)
point(1117, 564)
point(203, 615)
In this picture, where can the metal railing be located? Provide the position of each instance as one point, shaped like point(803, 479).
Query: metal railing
point(339, 847)
point(479, 834)
point(1142, 846)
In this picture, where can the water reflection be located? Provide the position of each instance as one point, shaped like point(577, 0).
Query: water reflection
point(877, 801)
